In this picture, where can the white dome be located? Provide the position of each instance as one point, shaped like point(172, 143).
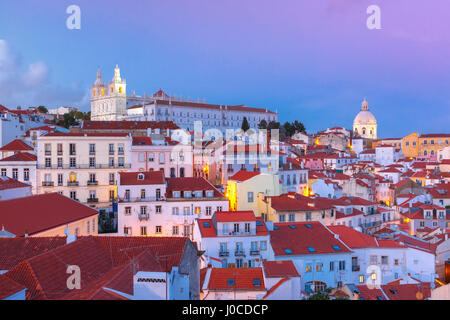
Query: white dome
point(364, 118)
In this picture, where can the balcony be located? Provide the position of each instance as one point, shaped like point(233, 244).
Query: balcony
point(73, 183)
point(111, 152)
point(355, 268)
point(146, 199)
point(239, 253)
point(144, 216)
point(92, 152)
point(92, 183)
point(92, 200)
point(112, 182)
point(224, 253)
point(48, 153)
point(254, 252)
point(60, 152)
point(85, 166)
point(48, 183)
point(121, 152)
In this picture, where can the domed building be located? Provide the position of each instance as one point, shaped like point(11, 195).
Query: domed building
point(365, 124)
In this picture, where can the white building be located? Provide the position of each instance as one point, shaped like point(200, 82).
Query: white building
point(12, 189)
point(157, 152)
point(82, 166)
point(365, 124)
point(110, 102)
point(15, 123)
point(320, 257)
point(232, 239)
point(387, 154)
point(21, 167)
point(373, 260)
point(150, 204)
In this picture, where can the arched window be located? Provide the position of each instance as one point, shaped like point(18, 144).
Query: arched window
point(364, 131)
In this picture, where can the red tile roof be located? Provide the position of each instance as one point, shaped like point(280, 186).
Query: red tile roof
point(285, 203)
point(243, 279)
point(278, 269)
point(128, 125)
point(10, 183)
point(295, 238)
point(370, 293)
point(87, 134)
point(235, 216)
point(190, 184)
point(355, 239)
point(149, 177)
point(16, 145)
point(105, 262)
point(207, 229)
point(243, 175)
point(8, 287)
point(213, 106)
point(39, 213)
point(418, 291)
point(20, 157)
point(15, 250)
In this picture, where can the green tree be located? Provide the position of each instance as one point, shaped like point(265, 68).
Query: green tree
point(42, 109)
point(245, 125)
point(78, 115)
point(289, 128)
point(273, 125)
point(262, 124)
point(299, 127)
point(320, 295)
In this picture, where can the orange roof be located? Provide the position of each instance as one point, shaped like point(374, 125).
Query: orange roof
point(243, 175)
point(149, 177)
point(304, 238)
point(39, 213)
point(277, 269)
point(234, 216)
point(20, 156)
point(231, 279)
point(16, 145)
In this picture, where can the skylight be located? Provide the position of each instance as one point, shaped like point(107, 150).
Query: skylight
point(258, 223)
point(308, 226)
point(230, 282)
point(292, 227)
point(311, 249)
point(256, 282)
point(288, 251)
point(206, 225)
point(275, 227)
point(336, 248)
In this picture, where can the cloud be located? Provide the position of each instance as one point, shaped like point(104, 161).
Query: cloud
point(31, 85)
point(36, 75)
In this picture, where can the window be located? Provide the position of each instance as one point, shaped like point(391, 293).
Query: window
point(111, 162)
point(60, 179)
point(91, 148)
point(291, 217)
point(143, 231)
point(127, 230)
point(342, 265)
point(384, 260)
point(121, 162)
point(373, 259)
point(396, 262)
point(142, 193)
point(175, 211)
point(73, 195)
point(48, 162)
point(88, 227)
point(175, 230)
point(111, 148)
point(3, 172)
point(219, 208)
point(158, 209)
point(72, 149)
point(143, 210)
point(197, 210)
point(60, 162)
point(186, 211)
point(15, 173)
point(93, 225)
point(308, 216)
point(308, 268)
point(158, 229)
point(73, 162)
point(208, 211)
point(127, 211)
point(319, 267)
point(361, 278)
point(250, 197)
point(48, 149)
point(120, 148)
point(26, 174)
point(161, 157)
point(151, 157)
point(111, 178)
point(282, 218)
point(331, 265)
point(263, 245)
point(247, 227)
point(236, 227)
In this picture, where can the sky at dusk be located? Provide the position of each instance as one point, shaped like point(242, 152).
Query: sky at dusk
point(312, 60)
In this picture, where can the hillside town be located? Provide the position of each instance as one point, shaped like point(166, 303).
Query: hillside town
point(161, 197)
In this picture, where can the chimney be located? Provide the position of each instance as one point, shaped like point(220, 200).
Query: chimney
point(336, 236)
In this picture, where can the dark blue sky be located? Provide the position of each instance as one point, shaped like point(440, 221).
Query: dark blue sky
point(311, 60)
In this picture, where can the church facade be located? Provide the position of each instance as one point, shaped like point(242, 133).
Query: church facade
point(365, 124)
point(109, 102)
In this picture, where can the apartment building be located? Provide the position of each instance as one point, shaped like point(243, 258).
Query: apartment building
point(235, 239)
point(150, 204)
point(157, 152)
point(82, 166)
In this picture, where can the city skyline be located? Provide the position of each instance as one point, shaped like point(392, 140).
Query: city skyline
point(314, 62)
